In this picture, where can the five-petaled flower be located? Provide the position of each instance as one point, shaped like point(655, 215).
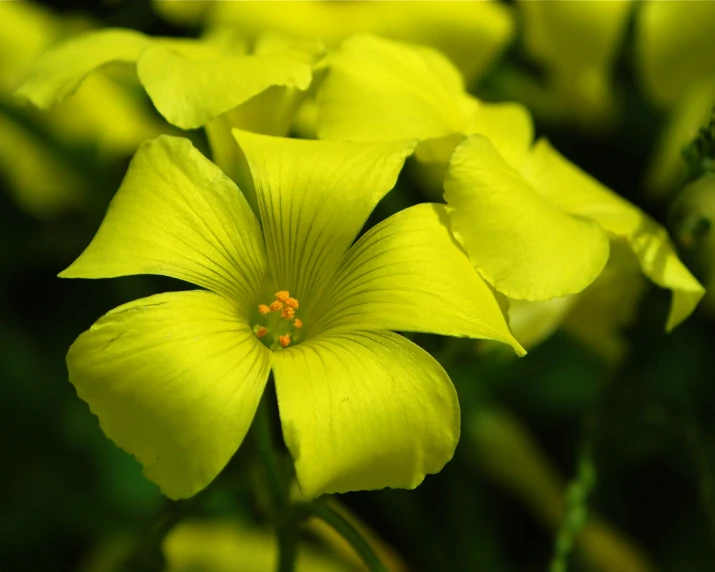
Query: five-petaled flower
point(175, 378)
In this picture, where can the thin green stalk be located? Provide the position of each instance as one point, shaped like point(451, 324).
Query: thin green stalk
point(346, 530)
point(284, 520)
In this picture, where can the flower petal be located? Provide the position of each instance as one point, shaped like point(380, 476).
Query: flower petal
point(61, 69)
point(508, 126)
point(659, 262)
point(175, 380)
point(314, 197)
point(408, 274)
point(363, 411)
point(270, 112)
point(381, 90)
point(190, 91)
point(572, 190)
point(176, 214)
point(521, 244)
point(472, 34)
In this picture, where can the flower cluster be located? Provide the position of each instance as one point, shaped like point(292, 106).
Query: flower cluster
point(270, 233)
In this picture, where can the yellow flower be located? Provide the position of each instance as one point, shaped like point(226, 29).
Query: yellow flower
point(472, 34)
point(102, 116)
point(382, 90)
point(175, 379)
point(214, 545)
point(211, 83)
point(670, 68)
point(552, 222)
point(533, 224)
point(227, 546)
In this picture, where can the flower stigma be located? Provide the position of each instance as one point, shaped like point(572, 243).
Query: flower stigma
point(277, 325)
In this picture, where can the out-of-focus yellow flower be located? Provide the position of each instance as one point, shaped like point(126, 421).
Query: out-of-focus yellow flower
point(215, 545)
point(226, 546)
point(175, 379)
point(27, 31)
point(102, 115)
point(381, 90)
point(675, 42)
point(533, 224)
point(577, 43)
point(212, 83)
point(472, 34)
point(190, 82)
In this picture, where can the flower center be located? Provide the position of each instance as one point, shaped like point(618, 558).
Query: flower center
point(278, 326)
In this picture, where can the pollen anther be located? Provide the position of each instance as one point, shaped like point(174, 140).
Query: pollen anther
point(278, 327)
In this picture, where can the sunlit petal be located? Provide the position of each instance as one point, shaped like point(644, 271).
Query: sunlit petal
point(522, 245)
point(409, 274)
point(364, 410)
point(572, 190)
point(313, 198)
point(176, 214)
point(175, 380)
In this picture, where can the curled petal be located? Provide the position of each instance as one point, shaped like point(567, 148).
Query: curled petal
point(59, 71)
point(522, 245)
point(190, 91)
point(572, 190)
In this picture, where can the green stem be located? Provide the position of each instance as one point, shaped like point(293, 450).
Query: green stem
point(346, 530)
point(281, 511)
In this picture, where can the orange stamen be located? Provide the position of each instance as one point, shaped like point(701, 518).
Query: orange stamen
point(292, 302)
point(261, 332)
point(298, 323)
point(288, 313)
point(284, 341)
point(263, 309)
point(282, 296)
point(275, 306)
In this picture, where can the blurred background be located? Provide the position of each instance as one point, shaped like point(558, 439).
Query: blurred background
point(594, 452)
